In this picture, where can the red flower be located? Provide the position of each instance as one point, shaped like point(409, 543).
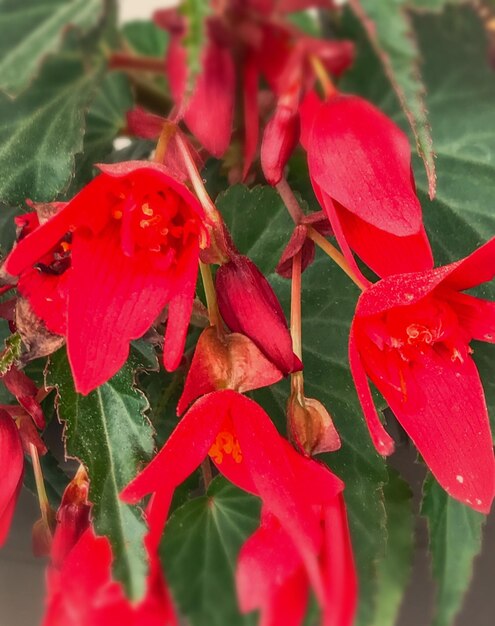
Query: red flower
point(12, 469)
point(25, 391)
point(134, 235)
point(240, 439)
point(271, 576)
point(81, 591)
point(360, 167)
point(410, 336)
point(249, 306)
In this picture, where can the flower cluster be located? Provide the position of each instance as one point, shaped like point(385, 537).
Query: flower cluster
point(120, 260)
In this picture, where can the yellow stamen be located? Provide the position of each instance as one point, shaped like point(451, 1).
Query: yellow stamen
point(65, 246)
point(147, 210)
point(225, 443)
point(117, 214)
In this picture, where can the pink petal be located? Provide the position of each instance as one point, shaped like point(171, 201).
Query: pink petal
point(361, 159)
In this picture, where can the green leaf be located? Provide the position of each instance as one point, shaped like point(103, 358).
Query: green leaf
point(200, 548)
point(11, 353)
point(146, 38)
point(105, 119)
point(395, 569)
point(43, 129)
point(54, 477)
point(107, 431)
point(455, 539)
point(32, 29)
point(328, 301)
point(389, 30)
point(196, 12)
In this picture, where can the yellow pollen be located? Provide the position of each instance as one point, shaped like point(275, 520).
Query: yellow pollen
point(147, 210)
point(225, 443)
point(117, 214)
point(144, 223)
point(65, 246)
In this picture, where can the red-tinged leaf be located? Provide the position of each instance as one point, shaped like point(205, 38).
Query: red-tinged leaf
point(390, 33)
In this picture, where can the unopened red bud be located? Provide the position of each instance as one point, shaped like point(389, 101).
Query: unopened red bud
point(73, 517)
point(249, 306)
point(29, 434)
point(230, 361)
point(12, 469)
point(310, 426)
point(279, 141)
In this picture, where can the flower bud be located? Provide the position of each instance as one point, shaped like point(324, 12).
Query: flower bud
point(249, 306)
point(279, 141)
point(310, 426)
point(229, 361)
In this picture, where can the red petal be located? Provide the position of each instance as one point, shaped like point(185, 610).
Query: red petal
point(270, 576)
point(341, 577)
point(179, 313)
point(112, 299)
point(308, 111)
point(475, 269)
point(361, 159)
point(144, 124)
point(444, 412)
point(476, 316)
point(209, 111)
point(12, 465)
point(251, 114)
point(279, 141)
point(297, 243)
point(47, 296)
point(183, 452)
point(381, 439)
point(265, 455)
point(384, 252)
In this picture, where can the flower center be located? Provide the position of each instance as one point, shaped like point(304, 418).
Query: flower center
point(225, 443)
point(156, 221)
point(413, 330)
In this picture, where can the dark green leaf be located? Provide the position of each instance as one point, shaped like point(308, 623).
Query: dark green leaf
point(200, 548)
point(455, 539)
point(328, 301)
point(43, 129)
point(107, 431)
point(32, 29)
point(146, 38)
point(395, 569)
point(105, 119)
point(389, 30)
point(54, 477)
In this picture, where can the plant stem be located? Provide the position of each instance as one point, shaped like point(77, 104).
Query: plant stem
point(207, 474)
point(40, 486)
point(289, 199)
point(211, 296)
point(295, 306)
point(125, 61)
point(324, 79)
point(335, 255)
